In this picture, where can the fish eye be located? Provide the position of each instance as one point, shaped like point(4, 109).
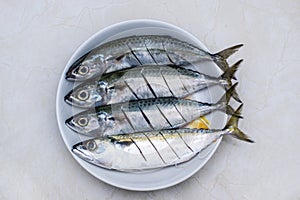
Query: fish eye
point(82, 121)
point(83, 95)
point(91, 145)
point(83, 70)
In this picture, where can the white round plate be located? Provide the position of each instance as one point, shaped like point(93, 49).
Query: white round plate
point(150, 180)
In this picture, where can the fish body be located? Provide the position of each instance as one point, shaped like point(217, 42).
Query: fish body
point(141, 50)
point(144, 82)
point(144, 115)
point(150, 150)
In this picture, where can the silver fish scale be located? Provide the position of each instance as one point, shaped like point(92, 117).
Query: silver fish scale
point(179, 51)
point(137, 120)
point(158, 149)
point(122, 93)
point(128, 60)
point(197, 143)
point(139, 87)
point(141, 50)
point(178, 145)
point(157, 51)
point(147, 150)
point(171, 114)
point(191, 110)
point(122, 123)
point(137, 58)
point(144, 57)
point(184, 82)
point(175, 50)
point(172, 44)
point(174, 83)
point(112, 49)
point(157, 81)
point(153, 148)
point(157, 120)
point(148, 115)
point(156, 114)
point(162, 148)
point(162, 109)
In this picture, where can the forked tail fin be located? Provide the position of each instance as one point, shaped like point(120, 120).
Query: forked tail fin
point(226, 98)
point(228, 75)
point(220, 57)
point(232, 127)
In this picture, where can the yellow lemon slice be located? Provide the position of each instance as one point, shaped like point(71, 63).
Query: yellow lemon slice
point(200, 123)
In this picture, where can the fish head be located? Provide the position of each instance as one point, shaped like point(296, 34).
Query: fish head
point(91, 123)
point(89, 94)
point(95, 151)
point(86, 67)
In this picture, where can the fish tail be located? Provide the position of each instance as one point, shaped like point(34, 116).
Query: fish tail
point(228, 75)
point(220, 57)
point(234, 94)
point(232, 127)
point(226, 98)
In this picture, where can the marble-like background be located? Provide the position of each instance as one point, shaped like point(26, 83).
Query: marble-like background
point(38, 37)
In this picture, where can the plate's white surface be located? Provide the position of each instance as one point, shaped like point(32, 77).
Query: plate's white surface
point(151, 180)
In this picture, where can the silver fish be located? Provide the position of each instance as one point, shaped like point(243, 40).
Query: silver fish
point(149, 150)
point(145, 115)
point(142, 50)
point(144, 83)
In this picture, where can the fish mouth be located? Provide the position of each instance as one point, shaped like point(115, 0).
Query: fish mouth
point(70, 76)
point(80, 151)
point(68, 98)
point(69, 123)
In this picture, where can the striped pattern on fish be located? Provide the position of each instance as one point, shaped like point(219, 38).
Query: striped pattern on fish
point(142, 50)
point(145, 82)
point(150, 150)
point(145, 115)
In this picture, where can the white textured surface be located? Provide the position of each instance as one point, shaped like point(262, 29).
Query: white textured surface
point(37, 39)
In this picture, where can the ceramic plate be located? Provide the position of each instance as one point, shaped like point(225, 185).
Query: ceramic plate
point(156, 179)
